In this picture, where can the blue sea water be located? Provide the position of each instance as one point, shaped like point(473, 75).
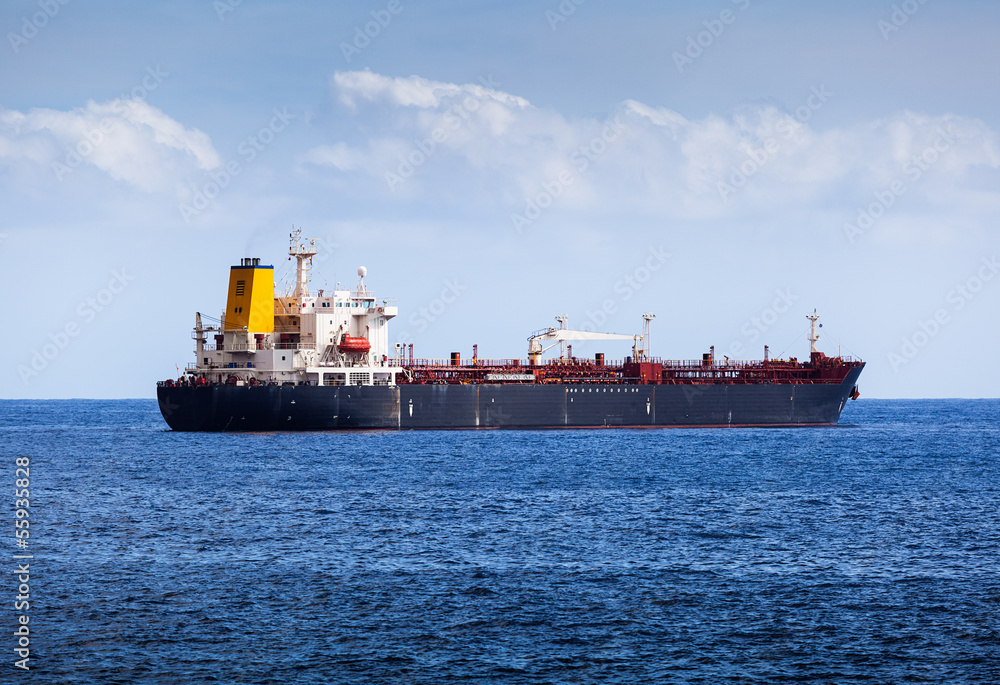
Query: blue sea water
point(863, 553)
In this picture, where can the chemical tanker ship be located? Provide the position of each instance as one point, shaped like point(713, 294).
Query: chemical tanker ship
point(324, 362)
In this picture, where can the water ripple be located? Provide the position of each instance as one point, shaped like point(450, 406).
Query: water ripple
point(865, 553)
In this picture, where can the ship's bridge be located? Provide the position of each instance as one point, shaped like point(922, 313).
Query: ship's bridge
point(297, 337)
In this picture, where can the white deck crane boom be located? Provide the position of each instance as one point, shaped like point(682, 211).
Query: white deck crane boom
point(557, 335)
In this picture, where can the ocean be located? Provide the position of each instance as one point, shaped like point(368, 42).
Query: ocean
point(868, 552)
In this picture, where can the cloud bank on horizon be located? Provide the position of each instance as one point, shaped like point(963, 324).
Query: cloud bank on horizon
point(641, 156)
point(423, 134)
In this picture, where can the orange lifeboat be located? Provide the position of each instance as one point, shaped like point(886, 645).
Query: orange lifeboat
point(350, 345)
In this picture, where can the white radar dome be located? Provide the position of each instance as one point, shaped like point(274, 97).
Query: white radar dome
point(362, 271)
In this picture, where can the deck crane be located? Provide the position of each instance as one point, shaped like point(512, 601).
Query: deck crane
point(557, 335)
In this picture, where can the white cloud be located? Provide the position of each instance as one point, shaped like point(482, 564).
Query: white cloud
point(379, 155)
point(654, 159)
point(130, 140)
point(411, 91)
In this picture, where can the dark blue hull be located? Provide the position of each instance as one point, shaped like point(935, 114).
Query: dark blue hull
point(303, 407)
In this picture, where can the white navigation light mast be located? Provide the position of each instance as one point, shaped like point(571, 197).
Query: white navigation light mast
point(304, 255)
point(813, 335)
point(647, 332)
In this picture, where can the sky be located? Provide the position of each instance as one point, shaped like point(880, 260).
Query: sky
point(728, 166)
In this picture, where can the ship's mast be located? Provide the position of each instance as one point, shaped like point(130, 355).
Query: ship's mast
point(813, 335)
point(199, 337)
point(647, 333)
point(562, 319)
point(303, 254)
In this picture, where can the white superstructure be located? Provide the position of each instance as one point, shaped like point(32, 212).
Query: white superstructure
point(330, 338)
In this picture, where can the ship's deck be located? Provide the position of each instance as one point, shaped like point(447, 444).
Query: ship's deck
point(653, 371)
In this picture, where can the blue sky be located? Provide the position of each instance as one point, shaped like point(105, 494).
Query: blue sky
point(726, 165)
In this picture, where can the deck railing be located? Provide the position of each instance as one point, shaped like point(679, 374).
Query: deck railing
point(667, 364)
